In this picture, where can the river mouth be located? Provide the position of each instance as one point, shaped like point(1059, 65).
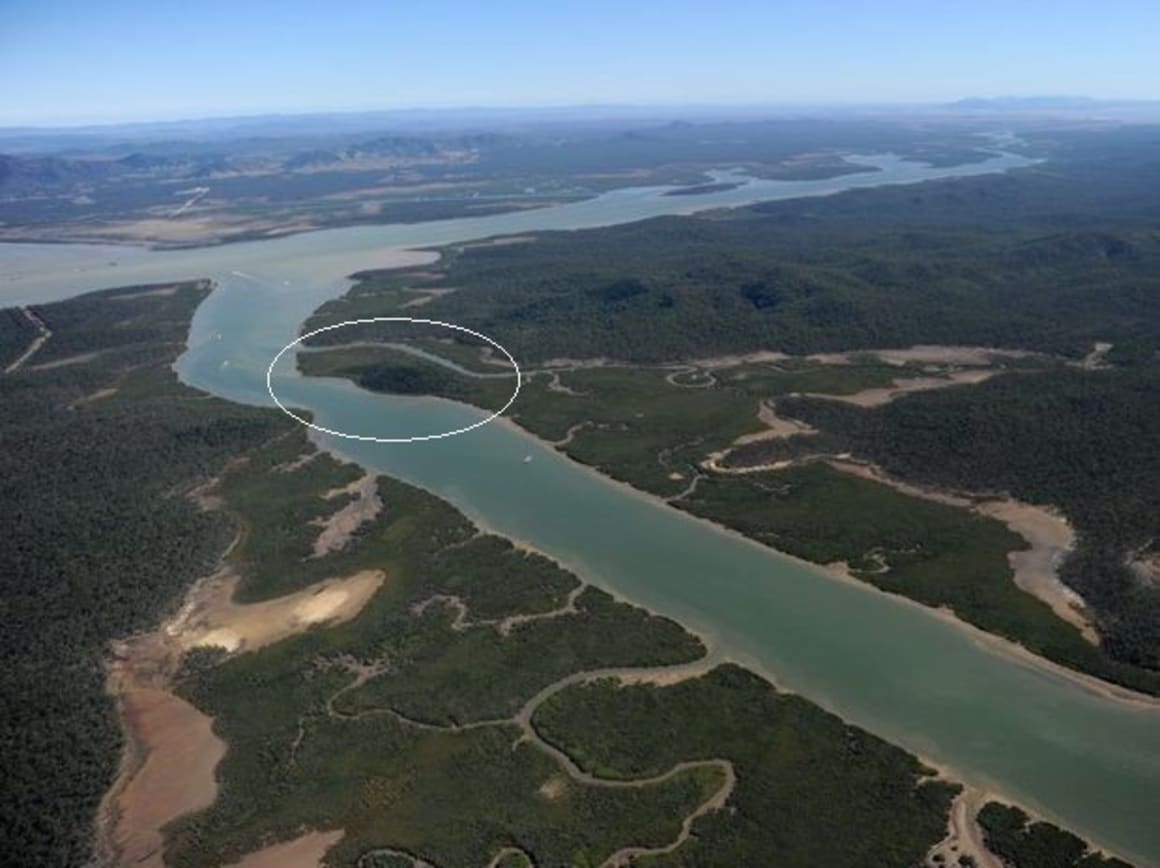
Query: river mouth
point(889, 667)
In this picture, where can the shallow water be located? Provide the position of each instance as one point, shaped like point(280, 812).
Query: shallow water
point(894, 668)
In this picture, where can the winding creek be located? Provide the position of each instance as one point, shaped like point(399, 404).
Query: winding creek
point(998, 721)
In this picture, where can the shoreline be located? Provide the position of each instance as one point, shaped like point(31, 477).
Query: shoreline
point(1007, 648)
point(1003, 647)
point(138, 752)
point(716, 655)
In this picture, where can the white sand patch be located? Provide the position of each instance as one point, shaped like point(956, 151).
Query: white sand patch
point(216, 621)
point(307, 851)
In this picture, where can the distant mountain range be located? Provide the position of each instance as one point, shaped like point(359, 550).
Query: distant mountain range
point(1044, 104)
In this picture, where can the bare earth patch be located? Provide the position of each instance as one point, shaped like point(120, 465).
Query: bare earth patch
point(776, 427)
point(307, 851)
point(214, 620)
point(553, 788)
point(176, 754)
point(338, 528)
point(159, 291)
point(964, 837)
point(925, 354)
point(902, 386)
point(171, 754)
point(81, 359)
point(1048, 536)
point(93, 397)
point(1146, 567)
point(36, 343)
point(666, 676)
point(425, 296)
point(1036, 570)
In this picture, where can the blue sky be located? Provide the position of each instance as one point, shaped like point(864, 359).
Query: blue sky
point(68, 61)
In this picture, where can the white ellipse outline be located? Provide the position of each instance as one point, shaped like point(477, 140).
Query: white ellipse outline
point(369, 438)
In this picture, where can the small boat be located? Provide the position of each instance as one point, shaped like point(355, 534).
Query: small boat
point(527, 459)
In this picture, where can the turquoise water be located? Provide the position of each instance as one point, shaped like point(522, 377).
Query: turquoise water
point(894, 668)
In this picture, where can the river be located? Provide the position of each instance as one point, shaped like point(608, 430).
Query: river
point(902, 672)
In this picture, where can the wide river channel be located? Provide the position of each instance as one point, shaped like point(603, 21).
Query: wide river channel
point(1087, 761)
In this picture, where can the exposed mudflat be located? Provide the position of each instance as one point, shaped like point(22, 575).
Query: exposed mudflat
point(304, 852)
point(176, 753)
point(171, 753)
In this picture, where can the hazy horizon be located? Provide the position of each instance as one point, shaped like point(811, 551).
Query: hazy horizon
point(69, 63)
point(613, 111)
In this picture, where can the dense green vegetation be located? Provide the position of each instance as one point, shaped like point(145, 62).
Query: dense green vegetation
point(936, 554)
point(1050, 258)
point(398, 726)
point(100, 539)
point(1020, 843)
point(811, 790)
point(16, 332)
point(360, 764)
point(640, 425)
point(1055, 258)
point(1087, 442)
point(653, 428)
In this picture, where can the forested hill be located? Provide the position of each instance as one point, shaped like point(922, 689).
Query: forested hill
point(1049, 258)
point(99, 445)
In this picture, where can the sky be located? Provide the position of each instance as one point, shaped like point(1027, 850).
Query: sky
point(80, 61)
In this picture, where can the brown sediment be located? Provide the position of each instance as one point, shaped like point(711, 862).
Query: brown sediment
point(171, 754)
point(306, 851)
point(170, 773)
